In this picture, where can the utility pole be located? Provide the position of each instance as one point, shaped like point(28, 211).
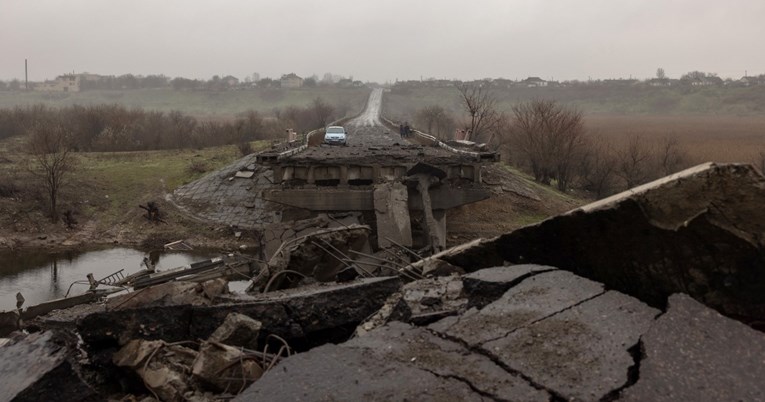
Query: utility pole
point(26, 76)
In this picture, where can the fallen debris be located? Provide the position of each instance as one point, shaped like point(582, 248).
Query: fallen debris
point(238, 330)
point(171, 294)
point(42, 367)
point(161, 366)
point(317, 256)
point(225, 368)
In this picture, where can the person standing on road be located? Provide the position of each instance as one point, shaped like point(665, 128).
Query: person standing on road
point(401, 130)
point(407, 130)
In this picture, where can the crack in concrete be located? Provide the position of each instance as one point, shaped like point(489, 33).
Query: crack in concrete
point(554, 396)
point(515, 282)
point(466, 382)
point(544, 318)
point(637, 352)
point(731, 222)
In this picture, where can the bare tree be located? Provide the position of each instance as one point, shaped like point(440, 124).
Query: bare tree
point(479, 104)
point(550, 138)
point(322, 112)
point(597, 170)
point(660, 73)
point(671, 157)
point(436, 121)
point(50, 158)
point(634, 162)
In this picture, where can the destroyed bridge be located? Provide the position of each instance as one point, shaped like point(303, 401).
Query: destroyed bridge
point(654, 294)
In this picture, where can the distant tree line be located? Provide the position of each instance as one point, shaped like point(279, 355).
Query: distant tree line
point(117, 128)
point(127, 81)
point(215, 83)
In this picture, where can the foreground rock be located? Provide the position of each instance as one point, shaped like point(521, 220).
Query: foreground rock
point(41, 367)
point(697, 232)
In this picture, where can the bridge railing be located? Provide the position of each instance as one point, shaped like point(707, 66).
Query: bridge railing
point(436, 142)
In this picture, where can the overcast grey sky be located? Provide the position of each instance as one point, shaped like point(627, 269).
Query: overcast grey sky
point(382, 40)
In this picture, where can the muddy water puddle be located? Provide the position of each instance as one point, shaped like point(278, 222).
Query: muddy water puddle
point(41, 276)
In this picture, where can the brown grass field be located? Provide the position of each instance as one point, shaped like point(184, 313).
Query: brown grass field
point(704, 138)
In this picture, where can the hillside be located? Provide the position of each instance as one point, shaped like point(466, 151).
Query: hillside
point(516, 201)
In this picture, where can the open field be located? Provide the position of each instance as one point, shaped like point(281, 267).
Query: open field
point(196, 103)
point(733, 133)
point(105, 190)
point(404, 102)
point(704, 138)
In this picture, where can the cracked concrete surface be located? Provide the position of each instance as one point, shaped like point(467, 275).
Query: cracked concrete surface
point(551, 335)
point(698, 232)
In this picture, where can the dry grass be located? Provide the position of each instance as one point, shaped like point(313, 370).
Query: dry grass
point(704, 138)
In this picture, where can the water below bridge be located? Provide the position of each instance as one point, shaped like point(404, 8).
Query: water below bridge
point(41, 276)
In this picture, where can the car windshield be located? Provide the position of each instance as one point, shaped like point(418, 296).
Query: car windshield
point(335, 130)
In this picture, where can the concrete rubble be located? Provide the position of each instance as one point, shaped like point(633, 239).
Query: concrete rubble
point(648, 295)
point(698, 232)
point(317, 256)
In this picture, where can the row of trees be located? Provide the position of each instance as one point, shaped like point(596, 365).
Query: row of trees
point(215, 83)
point(116, 128)
point(55, 135)
point(549, 141)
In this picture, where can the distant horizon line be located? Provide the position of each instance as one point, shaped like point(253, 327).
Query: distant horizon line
point(390, 81)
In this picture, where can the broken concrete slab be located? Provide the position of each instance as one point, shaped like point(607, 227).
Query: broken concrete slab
point(238, 330)
point(39, 367)
point(169, 294)
point(431, 299)
point(437, 267)
point(319, 255)
point(222, 367)
point(692, 353)
point(697, 232)
point(489, 284)
point(420, 348)
point(292, 314)
point(533, 299)
point(394, 309)
point(339, 373)
point(582, 353)
point(162, 367)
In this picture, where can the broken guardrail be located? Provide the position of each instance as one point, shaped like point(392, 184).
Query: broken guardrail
point(492, 156)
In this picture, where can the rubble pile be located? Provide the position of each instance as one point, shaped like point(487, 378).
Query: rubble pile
point(533, 315)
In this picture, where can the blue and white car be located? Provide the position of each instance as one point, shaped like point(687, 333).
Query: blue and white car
point(335, 135)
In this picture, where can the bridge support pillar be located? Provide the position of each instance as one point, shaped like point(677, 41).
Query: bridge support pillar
point(343, 174)
point(392, 215)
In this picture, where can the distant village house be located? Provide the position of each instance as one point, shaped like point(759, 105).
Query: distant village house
point(532, 82)
point(291, 81)
point(62, 83)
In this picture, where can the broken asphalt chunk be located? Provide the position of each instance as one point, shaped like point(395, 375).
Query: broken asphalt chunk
point(41, 367)
point(692, 353)
point(697, 232)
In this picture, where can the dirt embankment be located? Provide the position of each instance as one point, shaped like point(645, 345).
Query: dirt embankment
point(32, 230)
